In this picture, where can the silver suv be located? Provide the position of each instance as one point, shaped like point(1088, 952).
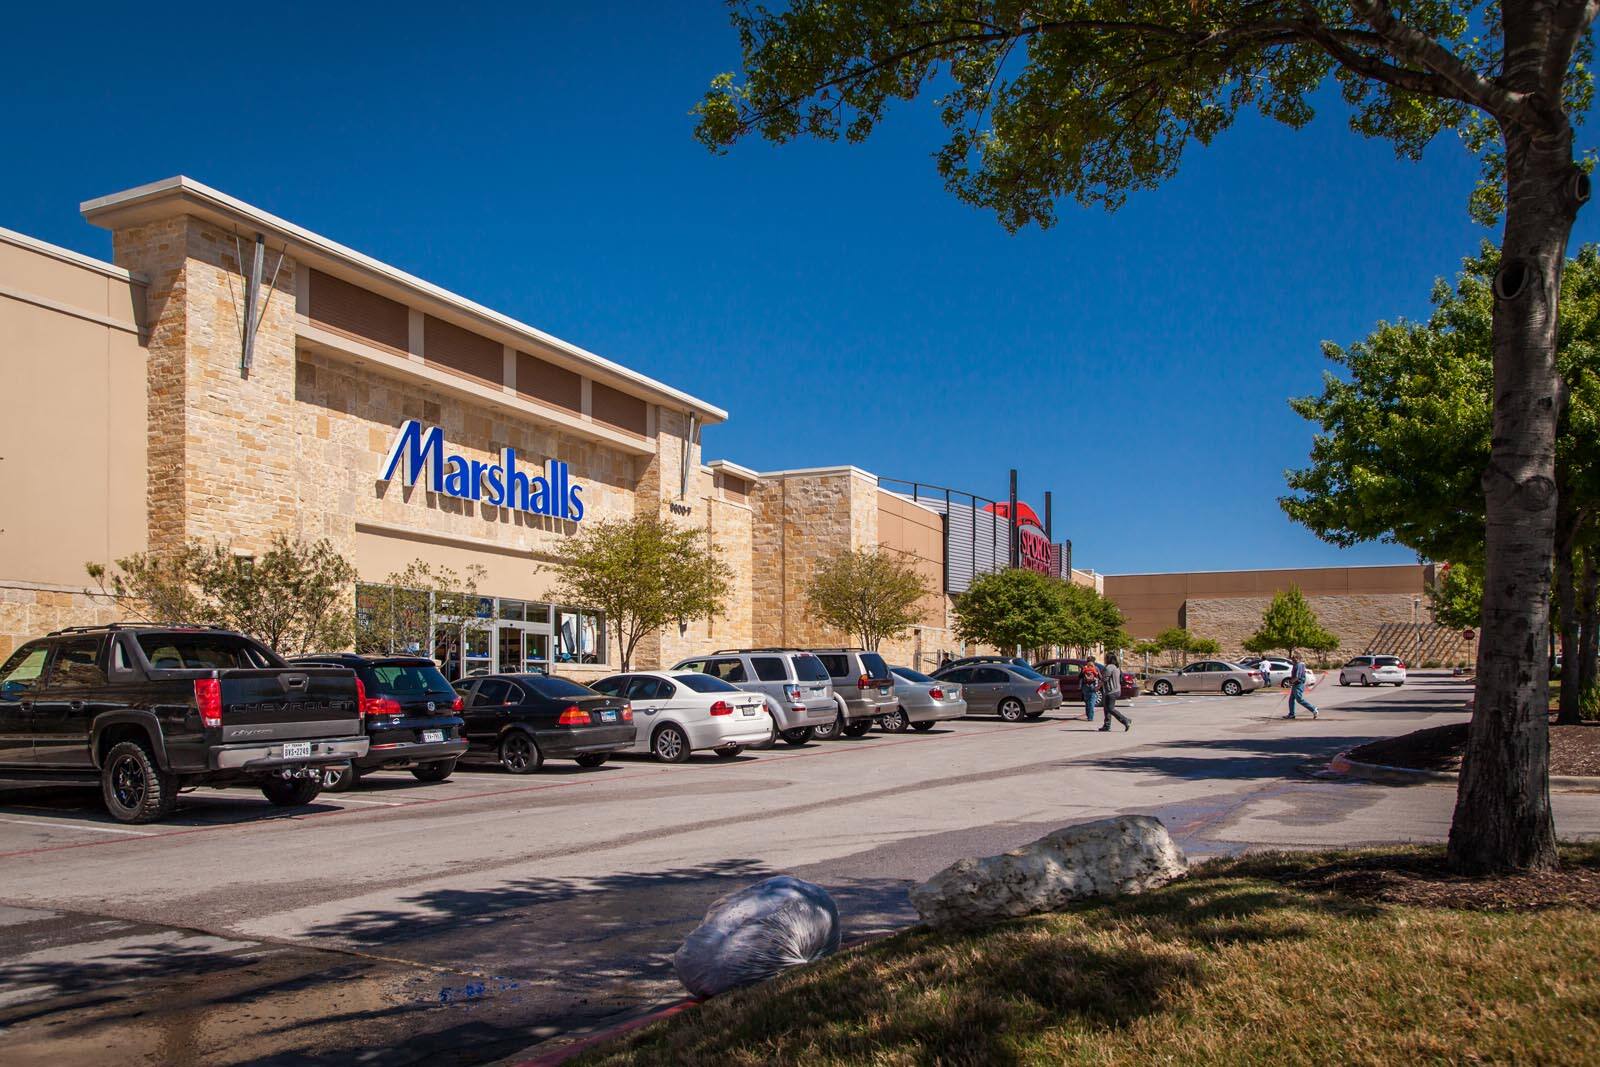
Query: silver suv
point(799, 696)
point(863, 689)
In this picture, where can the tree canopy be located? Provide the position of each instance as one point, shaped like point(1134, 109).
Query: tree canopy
point(293, 597)
point(641, 574)
point(1013, 609)
point(871, 593)
point(1288, 624)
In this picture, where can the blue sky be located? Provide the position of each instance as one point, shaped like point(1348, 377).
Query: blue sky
point(834, 298)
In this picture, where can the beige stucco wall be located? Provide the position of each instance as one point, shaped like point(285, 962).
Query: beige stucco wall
point(72, 437)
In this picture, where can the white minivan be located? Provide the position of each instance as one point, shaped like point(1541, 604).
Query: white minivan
point(681, 712)
point(1373, 670)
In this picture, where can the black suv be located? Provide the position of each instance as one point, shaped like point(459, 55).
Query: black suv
point(146, 711)
point(412, 715)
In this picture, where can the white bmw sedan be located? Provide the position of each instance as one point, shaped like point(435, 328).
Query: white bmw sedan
point(679, 713)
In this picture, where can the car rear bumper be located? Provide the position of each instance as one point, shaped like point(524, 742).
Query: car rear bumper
point(396, 752)
point(741, 731)
point(584, 740)
point(270, 756)
point(936, 712)
point(859, 709)
point(818, 712)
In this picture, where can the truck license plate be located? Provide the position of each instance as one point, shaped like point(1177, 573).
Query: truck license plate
point(432, 736)
point(608, 716)
point(297, 750)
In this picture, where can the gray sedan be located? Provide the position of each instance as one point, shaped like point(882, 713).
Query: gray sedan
point(923, 702)
point(1014, 693)
point(1208, 676)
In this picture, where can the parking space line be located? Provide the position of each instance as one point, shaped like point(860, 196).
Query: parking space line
point(380, 803)
point(76, 826)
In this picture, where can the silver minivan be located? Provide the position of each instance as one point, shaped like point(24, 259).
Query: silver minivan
point(863, 689)
point(798, 691)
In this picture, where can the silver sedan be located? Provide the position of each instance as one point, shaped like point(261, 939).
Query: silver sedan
point(923, 702)
point(1208, 676)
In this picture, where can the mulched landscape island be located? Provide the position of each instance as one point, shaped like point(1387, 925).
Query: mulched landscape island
point(1373, 956)
point(1573, 749)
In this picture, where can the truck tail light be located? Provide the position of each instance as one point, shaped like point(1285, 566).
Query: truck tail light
point(936, 693)
point(573, 716)
point(208, 698)
point(722, 707)
point(361, 700)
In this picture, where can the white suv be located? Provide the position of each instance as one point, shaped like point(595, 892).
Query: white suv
point(1373, 670)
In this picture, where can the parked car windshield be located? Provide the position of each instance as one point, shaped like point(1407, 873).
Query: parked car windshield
point(809, 668)
point(910, 675)
point(555, 688)
point(400, 678)
point(204, 652)
point(874, 665)
point(704, 683)
point(1028, 673)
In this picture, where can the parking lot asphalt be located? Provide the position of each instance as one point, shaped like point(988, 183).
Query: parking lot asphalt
point(463, 921)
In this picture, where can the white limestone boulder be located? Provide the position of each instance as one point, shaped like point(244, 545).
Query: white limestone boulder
point(1106, 858)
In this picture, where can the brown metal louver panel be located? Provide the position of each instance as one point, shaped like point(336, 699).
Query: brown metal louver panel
point(353, 310)
point(449, 347)
point(735, 489)
point(538, 380)
point(616, 408)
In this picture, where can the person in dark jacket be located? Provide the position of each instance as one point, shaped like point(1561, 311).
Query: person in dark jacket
point(1110, 689)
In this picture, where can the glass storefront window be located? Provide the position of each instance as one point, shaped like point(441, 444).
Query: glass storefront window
point(578, 637)
point(512, 609)
point(536, 647)
point(539, 613)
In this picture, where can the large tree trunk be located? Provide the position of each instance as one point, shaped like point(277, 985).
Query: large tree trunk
point(1567, 602)
point(1502, 818)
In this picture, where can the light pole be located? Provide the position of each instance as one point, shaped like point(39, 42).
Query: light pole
point(1416, 606)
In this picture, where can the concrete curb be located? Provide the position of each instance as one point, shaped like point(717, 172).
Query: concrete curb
point(1382, 772)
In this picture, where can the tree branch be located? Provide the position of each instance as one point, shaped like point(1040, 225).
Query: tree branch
point(1570, 20)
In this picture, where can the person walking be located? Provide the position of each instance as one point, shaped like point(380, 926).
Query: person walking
point(1089, 680)
point(1110, 689)
point(1297, 688)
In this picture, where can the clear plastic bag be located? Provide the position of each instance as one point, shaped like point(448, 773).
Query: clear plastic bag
point(754, 933)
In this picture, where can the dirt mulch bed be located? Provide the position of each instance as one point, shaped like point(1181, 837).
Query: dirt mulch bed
point(1421, 879)
point(1573, 749)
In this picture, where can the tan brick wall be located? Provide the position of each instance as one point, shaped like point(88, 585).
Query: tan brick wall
point(28, 611)
point(1354, 618)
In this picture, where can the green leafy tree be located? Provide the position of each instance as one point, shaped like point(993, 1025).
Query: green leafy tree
point(872, 593)
point(1456, 598)
point(1092, 620)
point(400, 615)
point(293, 597)
point(1014, 609)
point(642, 574)
point(1405, 439)
point(1090, 99)
point(1288, 624)
point(1177, 642)
point(1204, 646)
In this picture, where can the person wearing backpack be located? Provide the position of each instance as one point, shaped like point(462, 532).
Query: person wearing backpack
point(1090, 679)
point(1110, 689)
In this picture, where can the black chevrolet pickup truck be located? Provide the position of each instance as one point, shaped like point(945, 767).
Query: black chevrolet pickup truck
point(149, 710)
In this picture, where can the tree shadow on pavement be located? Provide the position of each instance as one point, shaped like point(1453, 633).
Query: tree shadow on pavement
point(1233, 758)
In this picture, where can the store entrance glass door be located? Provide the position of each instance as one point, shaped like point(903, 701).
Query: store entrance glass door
point(508, 649)
point(522, 648)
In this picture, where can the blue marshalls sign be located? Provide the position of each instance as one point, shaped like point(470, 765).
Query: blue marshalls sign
point(501, 484)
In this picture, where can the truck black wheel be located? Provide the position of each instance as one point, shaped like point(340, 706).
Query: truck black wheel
point(519, 754)
point(592, 759)
point(435, 771)
point(291, 792)
point(134, 787)
point(798, 736)
point(857, 729)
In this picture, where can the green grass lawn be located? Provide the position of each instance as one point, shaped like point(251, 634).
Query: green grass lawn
point(1270, 960)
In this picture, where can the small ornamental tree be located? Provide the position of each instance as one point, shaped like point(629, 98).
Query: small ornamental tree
point(1092, 620)
point(868, 592)
point(293, 597)
point(641, 574)
point(1014, 609)
point(1457, 597)
point(1178, 642)
point(1289, 625)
